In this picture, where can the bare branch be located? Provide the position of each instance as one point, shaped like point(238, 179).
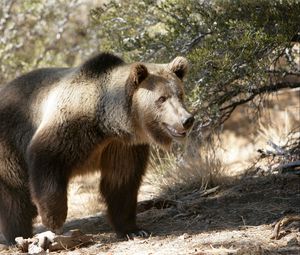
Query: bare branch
point(265, 89)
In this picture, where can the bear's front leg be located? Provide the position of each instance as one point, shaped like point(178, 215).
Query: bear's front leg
point(122, 168)
point(48, 179)
point(121, 206)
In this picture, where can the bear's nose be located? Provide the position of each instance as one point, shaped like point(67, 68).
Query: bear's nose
point(188, 122)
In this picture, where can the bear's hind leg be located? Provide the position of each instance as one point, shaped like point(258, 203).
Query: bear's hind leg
point(122, 168)
point(16, 212)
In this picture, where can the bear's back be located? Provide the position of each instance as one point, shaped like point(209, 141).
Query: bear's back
point(25, 84)
point(16, 124)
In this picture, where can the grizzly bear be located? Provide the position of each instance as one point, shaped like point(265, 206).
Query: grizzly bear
point(56, 123)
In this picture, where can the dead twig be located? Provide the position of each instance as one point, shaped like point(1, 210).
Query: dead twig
point(291, 167)
point(283, 222)
point(155, 203)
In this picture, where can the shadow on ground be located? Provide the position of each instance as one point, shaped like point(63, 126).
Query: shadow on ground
point(247, 202)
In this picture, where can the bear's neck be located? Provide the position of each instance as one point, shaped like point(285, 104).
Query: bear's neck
point(114, 107)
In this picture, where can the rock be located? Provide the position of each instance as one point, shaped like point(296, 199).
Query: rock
point(33, 248)
point(184, 236)
point(45, 239)
point(52, 242)
point(22, 244)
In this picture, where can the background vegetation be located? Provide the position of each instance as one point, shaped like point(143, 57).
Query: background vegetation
point(234, 46)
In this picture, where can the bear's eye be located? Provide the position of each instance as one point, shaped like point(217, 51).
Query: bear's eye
point(162, 99)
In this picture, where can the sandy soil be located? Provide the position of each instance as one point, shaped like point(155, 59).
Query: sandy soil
point(235, 219)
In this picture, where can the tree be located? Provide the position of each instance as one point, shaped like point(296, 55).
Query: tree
point(38, 34)
point(235, 46)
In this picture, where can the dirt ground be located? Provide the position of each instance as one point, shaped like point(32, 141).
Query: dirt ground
point(235, 219)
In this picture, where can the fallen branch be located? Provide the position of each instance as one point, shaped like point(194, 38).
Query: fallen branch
point(291, 167)
point(283, 222)
point(155, 203)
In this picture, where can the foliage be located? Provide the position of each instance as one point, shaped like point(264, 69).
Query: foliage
point(234, 46)
point(37, 33)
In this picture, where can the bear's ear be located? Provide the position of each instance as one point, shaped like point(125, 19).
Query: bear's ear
point(179, 66)
point(138, 73)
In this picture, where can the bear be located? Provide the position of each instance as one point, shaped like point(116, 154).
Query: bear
point(57, 123)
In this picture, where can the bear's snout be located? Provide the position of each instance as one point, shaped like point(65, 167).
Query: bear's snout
point(188, 122)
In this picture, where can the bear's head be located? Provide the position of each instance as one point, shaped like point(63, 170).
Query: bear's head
point(158, 101)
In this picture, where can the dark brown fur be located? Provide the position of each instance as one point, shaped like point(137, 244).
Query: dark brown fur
point(61, 122)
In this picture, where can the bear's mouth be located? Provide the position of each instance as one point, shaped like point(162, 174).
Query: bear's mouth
point(175, 132)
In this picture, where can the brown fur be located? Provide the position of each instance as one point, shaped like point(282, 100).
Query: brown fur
point(61, 122)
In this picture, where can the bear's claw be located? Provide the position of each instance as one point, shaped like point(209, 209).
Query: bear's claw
point(134, 234)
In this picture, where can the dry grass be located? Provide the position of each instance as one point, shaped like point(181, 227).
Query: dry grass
point(244, 135)
point(174, 174)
